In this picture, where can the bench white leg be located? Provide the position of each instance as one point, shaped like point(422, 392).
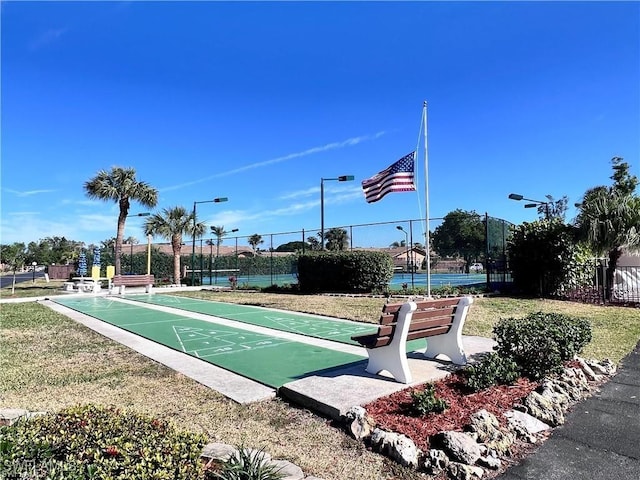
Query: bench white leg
point(148, 288)
point(389, 359)
point(121, 289)
point(451, 343)
point(393, 357)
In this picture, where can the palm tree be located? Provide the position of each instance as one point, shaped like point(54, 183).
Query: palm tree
point(172, 224)
point(121, 186)
point(337, 239)
point(219, 232)
point(255, 240)
point(314, 243)
point(609, 217)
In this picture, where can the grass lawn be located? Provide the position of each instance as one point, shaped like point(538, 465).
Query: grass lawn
point(48, 361)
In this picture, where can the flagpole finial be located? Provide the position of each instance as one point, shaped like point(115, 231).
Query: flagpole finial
point(424, 104)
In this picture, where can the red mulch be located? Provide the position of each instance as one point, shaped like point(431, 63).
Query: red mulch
point(392, 413)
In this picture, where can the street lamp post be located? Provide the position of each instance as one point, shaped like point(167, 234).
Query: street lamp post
point(341, 178)
point(517, 197)
point(193, 246)
point(143, 214)
point(237, 269)
point(406, 244)
point(217, 253)
point(33, 266)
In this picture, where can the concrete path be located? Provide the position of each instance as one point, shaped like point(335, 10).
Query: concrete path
point(600, 439)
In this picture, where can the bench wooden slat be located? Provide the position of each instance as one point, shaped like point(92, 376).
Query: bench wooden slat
point(432, 332)
point(429, 324)
point(439, 303)
point(433, 313)
point(388, 318)
point(416, 328)
point(132, 280)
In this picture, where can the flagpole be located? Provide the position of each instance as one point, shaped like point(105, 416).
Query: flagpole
point(426, 196)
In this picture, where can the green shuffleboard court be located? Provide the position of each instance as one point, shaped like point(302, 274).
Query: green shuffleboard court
point(272, 361)
point(308, 325)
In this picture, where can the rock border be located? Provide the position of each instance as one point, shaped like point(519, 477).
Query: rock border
point(484, 445)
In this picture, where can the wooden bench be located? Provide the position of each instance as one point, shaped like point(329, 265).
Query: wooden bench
point(122, 281)
point(440, 321)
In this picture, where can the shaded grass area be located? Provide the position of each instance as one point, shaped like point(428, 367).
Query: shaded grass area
point(40, 288)
point(48, 362)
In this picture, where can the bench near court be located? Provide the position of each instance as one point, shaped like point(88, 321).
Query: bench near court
point(119, 282)
point(440, 321)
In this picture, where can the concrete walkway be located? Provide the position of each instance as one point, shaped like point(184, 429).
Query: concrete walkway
point(600, 439)
point(331, 394)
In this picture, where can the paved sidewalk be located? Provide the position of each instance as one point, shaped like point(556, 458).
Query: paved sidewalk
point(600, 439)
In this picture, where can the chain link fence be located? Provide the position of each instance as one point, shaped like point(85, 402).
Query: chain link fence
point(269, 258)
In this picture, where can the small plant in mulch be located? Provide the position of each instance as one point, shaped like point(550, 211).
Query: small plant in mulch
point(392, 413)
point(425, 402)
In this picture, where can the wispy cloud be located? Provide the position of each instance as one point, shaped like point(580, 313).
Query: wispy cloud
point(233, 218)
point(332, 189)
point(27, 193)
point(300, 193)
point(46, 38)
point(350, 142)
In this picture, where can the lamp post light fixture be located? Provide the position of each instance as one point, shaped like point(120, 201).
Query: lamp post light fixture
point(143, 214)
point(193, 236)
point(535, 203)
point(341, 178)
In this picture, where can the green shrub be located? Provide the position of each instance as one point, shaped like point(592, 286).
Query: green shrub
point(246, 464)
point(344, 271)
point(98, 443)
point(541, 342)
point(493, 369)
point(425, 401)
point(540, 256)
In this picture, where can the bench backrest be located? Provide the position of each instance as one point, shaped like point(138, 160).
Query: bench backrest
point(132, 280)
point(432, 317)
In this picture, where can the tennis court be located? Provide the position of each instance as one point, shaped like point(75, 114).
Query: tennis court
point(419, 280)
point(270, 360)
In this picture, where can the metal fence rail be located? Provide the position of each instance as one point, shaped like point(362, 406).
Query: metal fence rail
point(409, 253)
point(593, 283)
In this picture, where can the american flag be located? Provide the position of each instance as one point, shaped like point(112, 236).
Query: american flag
point(397, 178)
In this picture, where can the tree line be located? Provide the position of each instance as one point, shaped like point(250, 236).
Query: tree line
point(608, 223)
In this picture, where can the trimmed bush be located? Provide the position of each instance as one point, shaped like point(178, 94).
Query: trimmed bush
point(94, 442)
point(493, 369)
point(346, 272)
point(540, 342)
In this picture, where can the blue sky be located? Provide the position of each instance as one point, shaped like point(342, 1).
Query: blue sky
point(259, 101)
